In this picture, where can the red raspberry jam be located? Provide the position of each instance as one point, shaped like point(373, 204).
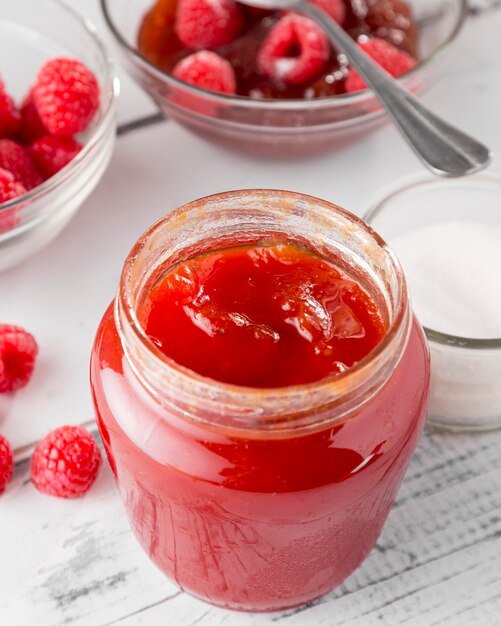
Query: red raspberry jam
point(389, 20)
point(261, 316)
point(257, 473)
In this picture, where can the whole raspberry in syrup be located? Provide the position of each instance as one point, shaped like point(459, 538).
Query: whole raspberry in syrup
point(335, 8)
point(394, 61)
point(208, 24)
point(295, 51)
point(208, 70)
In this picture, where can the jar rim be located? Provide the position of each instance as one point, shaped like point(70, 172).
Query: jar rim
point(335, 385)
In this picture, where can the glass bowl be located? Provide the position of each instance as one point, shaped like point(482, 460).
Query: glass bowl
point(277, 127)
point(31, 32)
point(466, 372)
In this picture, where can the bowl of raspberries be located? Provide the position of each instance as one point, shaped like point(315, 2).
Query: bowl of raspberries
point(57, 121)
point(270, 81)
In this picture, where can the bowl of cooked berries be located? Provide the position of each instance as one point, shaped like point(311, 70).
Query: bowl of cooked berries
point(270, 81)
point(58, 96)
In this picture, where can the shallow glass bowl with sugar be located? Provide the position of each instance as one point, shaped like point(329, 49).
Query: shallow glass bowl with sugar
point(447, 234)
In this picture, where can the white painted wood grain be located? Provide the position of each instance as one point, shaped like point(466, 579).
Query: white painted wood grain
point(438, 560)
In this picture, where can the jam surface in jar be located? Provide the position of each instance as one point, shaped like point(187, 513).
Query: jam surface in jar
point(389, 20)
point(266, 315)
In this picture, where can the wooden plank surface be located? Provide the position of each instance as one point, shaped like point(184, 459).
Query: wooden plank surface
point(439, 558)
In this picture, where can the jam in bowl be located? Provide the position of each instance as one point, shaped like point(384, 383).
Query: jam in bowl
point(260, 385)
point(258, 113)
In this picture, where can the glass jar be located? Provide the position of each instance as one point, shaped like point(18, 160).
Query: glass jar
point(258, 499)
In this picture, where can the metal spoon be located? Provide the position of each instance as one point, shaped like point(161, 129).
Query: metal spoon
point(444, 149)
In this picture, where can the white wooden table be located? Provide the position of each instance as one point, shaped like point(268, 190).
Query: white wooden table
point(438, 560)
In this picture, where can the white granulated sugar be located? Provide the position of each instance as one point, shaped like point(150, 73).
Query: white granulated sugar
point(454, 275)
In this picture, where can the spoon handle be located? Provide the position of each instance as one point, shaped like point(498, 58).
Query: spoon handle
point(444, 149)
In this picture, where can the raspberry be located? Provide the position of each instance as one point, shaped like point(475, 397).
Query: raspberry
point(391, 20)
point(207, 70)
point(394, 61)
point(51, 153)
point(335, 8)
point(9, 115)
point(66, 96)
point(295, 50)
point(18, 352)
point(6, 463)
point(15, 160)
point(31, 127)
point(202, 24)
point(9, 190)
point(66, 462)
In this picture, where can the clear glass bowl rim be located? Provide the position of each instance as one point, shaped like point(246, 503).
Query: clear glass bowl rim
point(110, 89)
point(409, 184)
point(289, 104)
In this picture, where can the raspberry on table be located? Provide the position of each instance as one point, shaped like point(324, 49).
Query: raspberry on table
point(18, 353)
point(207, 70)
point(66, 96)
point(10, 117)
point(51, 153)
point(31, 127)
point(15, 160)
point(202, 24)
point(295, 50)
point(335, 8)
point(6, 463)
point(66, 462)
point(393, 60)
